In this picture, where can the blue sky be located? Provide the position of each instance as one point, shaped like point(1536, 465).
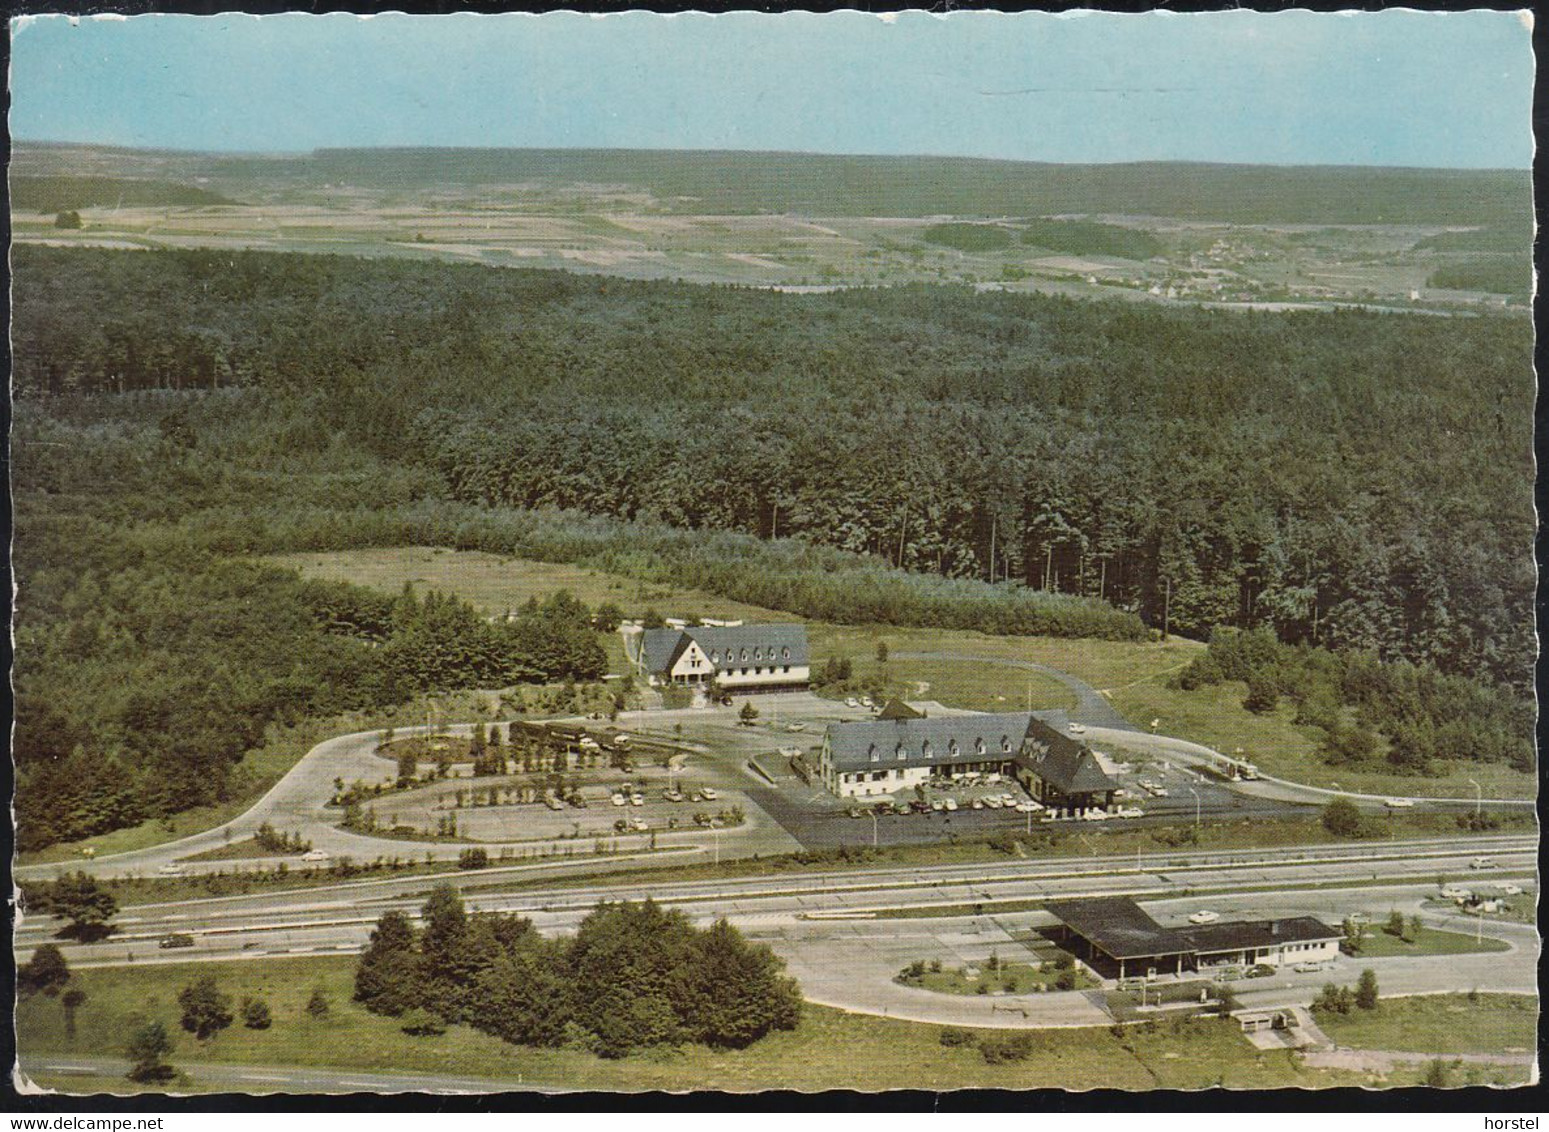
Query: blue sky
point(1388, 88)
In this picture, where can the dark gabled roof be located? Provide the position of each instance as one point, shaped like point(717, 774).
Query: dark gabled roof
point(1237, 935)
point(769, 643)
point(1119, 926)
point(1062, 762)
point(897, 709)
point(777, 643)
point(925, 741)
point(660, 647)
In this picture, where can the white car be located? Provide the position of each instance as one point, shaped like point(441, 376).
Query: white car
point(1161, 792)
point(1204, 916)
point(1482, 863)
point(619, 800)
point(1455, 892)
point(1095, 815)
point(1077, 729)
point(994, 803)
point(790, 752)
point(171, 870)
point(315, 855)
point(1512, 889)
point(866, 702)
point(636, 800)
point(851, 701)
point(637, 825)
point(709, 794)
point(1028, 807)
point(798, 726)
point(1398, 803)
point(950, 804)
point(1132, 812)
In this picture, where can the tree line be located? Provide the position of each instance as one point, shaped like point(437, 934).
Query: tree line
point(150, 670)
point(633, 976)
point(1405, 717)
point(1353, 479)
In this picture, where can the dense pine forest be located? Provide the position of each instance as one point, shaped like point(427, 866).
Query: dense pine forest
point(1349, 480)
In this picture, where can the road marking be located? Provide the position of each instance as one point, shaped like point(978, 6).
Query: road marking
point(261, 1077)
point(70, 1068)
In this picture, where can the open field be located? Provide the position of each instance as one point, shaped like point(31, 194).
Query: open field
point(963, 684)
point(1440, 1024)
point(830, 1050)
point(1220, 234)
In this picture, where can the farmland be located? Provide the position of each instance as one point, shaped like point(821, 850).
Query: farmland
point(1155, 233)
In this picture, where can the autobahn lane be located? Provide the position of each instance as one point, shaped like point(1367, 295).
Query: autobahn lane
point(372, 897)
point(342, 926)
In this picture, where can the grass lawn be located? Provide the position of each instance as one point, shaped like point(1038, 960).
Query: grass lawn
point(1008, 978)
point(1378, 944)
point(1214, 715)
point(495, 584)
point(1440, 1024)
point(830, 1049)
point(1107, 665)
point(963, 684)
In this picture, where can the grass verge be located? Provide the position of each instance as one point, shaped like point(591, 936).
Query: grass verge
point(830, 1049)
point(1440, 1024)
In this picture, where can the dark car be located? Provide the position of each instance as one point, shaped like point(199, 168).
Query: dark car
point(176, 939)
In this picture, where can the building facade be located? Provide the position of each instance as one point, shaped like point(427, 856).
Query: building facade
point(737, 658)
point(903, 749)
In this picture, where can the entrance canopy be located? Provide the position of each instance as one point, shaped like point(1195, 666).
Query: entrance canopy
point(1119, 928)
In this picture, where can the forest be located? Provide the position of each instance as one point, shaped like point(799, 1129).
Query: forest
point(1346, 481)
point(634, 975)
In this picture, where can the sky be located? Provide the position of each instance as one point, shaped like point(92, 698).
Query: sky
point(1386, 88)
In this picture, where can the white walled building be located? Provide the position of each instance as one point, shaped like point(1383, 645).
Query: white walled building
point(739, 658)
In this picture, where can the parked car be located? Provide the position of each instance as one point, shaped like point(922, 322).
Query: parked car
point(176, 939)
point(1511, 889)
point(1132, 812)
point(1204, 916)
point(919, 807)
point(672, 794)
point(1455, 892)
point(577, 801)
point(1161, 792)
point(1260, 970)
point(1077, 729)
point(866, 702)
point(951, 805)
point(798, 726)
point(315, 855)
point(1308, 968)
point(619, 800)
point(1398, 803)
point(710, 794)
point(637, 825)
point(637, 800)
point(882, 808)
point(851, 701)
point(994, 803)
point(1095, 815)
point(977, 804)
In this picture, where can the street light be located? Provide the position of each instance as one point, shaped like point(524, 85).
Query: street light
point(1478, 797)
point(873, 829)
point(1195, 792)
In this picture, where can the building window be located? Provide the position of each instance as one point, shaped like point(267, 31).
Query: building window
point(876, 755)
point(1005, 744)
point(900, 753)
point(925, 749)
point(952, 749)
point(785, 654)
point(979, 746)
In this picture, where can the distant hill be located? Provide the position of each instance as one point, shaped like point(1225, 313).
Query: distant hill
point(734, 182)
point(65, 192)
point(819, 184)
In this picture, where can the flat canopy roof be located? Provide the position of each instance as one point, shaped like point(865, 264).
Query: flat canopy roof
point(1239, 935)
point(1119, 926)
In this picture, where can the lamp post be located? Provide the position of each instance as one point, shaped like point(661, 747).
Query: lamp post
point(1478, 797)
point(873, 829)
point(1195, 792)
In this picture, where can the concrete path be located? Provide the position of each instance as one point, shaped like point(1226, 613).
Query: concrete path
point(1092, 707)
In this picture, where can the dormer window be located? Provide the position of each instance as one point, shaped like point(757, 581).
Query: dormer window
point(952, 748)
point(786, 653)
point(925, 749)
point(1005, 744)
point(876, 755)
point(900, 752)
point(979, 745)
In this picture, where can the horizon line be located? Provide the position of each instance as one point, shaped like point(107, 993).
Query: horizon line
point(401, 146)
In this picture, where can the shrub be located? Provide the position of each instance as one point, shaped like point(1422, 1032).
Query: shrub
point(1342, 818)
point(255, 1014)
point(1001, 1050)
point(422, 1023)
point(954, 1036)
point(473, 859)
